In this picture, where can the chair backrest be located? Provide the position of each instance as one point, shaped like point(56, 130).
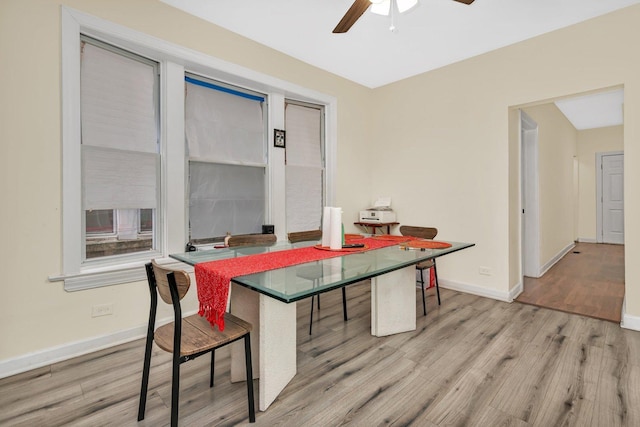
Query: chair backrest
point(183, 281)
point(304, 236)
point(252, 240)
point(421, 232)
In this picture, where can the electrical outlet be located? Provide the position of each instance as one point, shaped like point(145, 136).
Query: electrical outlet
point(102, 310)
point(485, 271)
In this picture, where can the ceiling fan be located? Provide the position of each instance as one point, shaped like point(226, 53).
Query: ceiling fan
point(359, 6)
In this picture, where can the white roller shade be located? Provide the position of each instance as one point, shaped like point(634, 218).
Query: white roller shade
point(304, 170)
point(225, 198)
point(304, 198)
point(118, 108)
point(120, 160)
point(223, 127)
point(303, 136)
point(116, 179)
point(225, 135)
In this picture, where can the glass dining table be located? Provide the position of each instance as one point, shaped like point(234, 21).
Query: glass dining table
point(265, 300)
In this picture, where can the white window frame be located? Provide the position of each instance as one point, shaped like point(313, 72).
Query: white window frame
point(171, 218)
point(118, 226)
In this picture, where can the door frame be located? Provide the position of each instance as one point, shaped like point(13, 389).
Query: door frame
point(599, 195)
point(530, 197)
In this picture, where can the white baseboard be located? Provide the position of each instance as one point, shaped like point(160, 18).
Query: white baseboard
point(67, 351)
point(587, 240)
point(516, 291)
point(556, 258)
point(480, 291)
point(63, 352)
point(629, 321)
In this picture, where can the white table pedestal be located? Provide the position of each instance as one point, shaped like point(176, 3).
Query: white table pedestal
point(273, 338)
point(393, 302)
point(273, 342)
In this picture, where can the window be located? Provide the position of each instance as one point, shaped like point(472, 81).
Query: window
point(100, 222)
point(226, 142)
point(119, 149)
point(305, 166)
point(167, 206)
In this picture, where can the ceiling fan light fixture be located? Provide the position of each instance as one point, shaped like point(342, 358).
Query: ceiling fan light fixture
point(405, 5)
point(383, 7)
point(380, 7)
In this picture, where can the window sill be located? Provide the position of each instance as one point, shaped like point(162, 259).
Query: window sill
point(90, 278)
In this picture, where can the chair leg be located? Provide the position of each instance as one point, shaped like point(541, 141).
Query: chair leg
point(311, 317)
point(175, 389)
point(145, 377)
point(249, 373)
point(213, 362)
point(424, 301)
point(344, 303)
point(435, 275)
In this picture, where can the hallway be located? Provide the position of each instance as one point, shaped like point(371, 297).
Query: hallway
point(589, 280)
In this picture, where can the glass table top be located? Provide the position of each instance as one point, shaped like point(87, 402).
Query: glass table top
point(301, 281)
point(195, 257)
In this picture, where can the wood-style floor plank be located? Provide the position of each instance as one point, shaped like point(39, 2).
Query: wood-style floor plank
point(470, 362)
point(589, 280)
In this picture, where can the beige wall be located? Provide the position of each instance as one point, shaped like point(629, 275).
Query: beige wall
point(439, 145)
point(454, 161)
point(36, 314)
point(556, 150)
point(590, 142)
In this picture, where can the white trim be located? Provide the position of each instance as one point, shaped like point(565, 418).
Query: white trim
point(516, 291)
point(479, 290)
point(556, 258)
point(629, 321)
point(530, 197)
point(587, 240)
point(72, 186)
point(331, 151)
point(174, 200)
point(59, 353)
point(64, 352)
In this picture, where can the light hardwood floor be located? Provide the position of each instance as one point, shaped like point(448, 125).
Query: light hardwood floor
point(471, 362)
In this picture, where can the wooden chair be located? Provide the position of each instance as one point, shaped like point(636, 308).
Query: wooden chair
point(312, 274)
point(423, 233)
point(187, 338)
point(304, 236)
point(252, 240)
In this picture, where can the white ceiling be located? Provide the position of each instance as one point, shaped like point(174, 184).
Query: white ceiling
point(594, 110)
point(433, 34)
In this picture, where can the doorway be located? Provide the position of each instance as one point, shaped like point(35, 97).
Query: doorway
point(544, 282)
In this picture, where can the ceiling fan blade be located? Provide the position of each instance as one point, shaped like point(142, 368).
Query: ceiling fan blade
point(465, 1)
point(353, 14)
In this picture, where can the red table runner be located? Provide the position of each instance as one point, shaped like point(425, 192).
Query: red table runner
point(213, 277)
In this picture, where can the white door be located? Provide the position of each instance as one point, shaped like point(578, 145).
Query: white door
point(613, 198)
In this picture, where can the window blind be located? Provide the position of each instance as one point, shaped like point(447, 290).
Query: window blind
point(120, 157)
point(225, 136)
point(225, 198)
point(304, 170)
point(222, 126)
